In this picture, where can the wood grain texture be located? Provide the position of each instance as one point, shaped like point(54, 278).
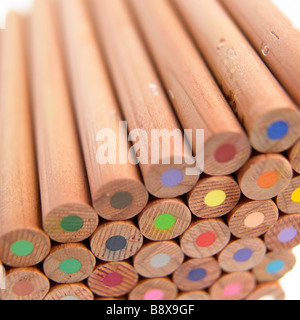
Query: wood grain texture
point(264, 176)
point(274, 266)
point(113, 279)
point(143, 101)
point(242, 255)
point(65, 195)
point(294, 156)
point(197, 274)
point(274, 37)
point(116, 241)
point(20, 216)
point(197, 100)
point(250, 219)
point(154, 289)
point(73, 291)
point(25, 284)
point(69, 263)
point(269, 115)
point(285, 234)
point(205, 238)
point(233, 286)
point(96, 109)
point(213, 197)
point(193, 295)
point(158, 259)
point(267, 292)
point(288, 201)
point(164, 219)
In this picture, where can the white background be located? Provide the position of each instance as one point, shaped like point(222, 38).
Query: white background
point(291, 282)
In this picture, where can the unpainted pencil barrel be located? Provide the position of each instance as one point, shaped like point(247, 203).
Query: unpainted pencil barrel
point(117, 190)
point(196, 98)
point(269, 115)
point(144, 103)
point(22, 241)
point(274, 37)
point(65, 198)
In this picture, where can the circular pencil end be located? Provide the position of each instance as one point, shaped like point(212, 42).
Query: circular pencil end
point(265, 176)
point(121, 199)
point(24, 247)
point(226, 153)
point(171, 180)
point(25, 284)
point(71, 223)
point(276, 131)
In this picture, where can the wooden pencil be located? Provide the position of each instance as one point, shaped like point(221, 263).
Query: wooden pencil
point(242, 255)
point(294, 156)
point(2, 276)
point(269, 115)
point(197, 274)
point(264, 176)
point(274, 266)
point(144, 103)
point(267, 292)
point(154, 289)
point(274, 37)
point(250, 219)
point(69, 263)
point(288, 201)
point(71, 291)
point(193, 295)
point(22, 241)
point(205, 238)
point(116, 241)
point(66, 206)
point(164, 219)
point(198, 102)
point(213, 197)
point(117, 190)
point(285, 234)
point(158, 259)
point(233, 286)
point(25, 284)
point(113, 279)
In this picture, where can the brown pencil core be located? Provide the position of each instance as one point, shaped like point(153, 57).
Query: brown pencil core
point(121, 200)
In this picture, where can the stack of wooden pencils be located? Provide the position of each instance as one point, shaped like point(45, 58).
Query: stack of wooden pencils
point(87, 212)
